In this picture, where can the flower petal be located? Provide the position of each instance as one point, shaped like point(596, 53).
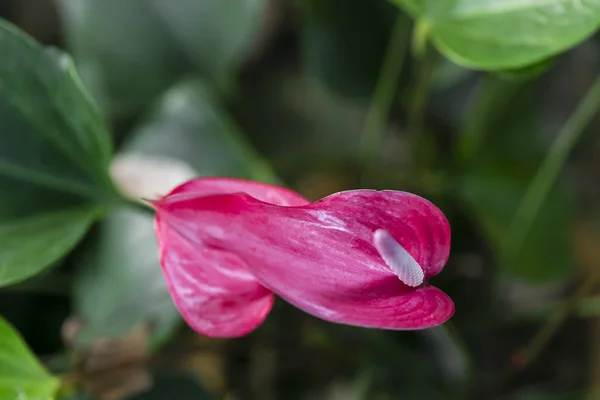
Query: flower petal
point(262, 191)
point(213, 289)
point(321, 256)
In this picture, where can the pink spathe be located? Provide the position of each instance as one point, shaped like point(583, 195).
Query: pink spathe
point(359, 257)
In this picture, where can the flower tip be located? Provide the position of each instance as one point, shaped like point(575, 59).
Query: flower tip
point(398, 259)
point(153, 203)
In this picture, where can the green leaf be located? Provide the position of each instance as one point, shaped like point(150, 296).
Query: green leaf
point(30, 244)
point(344, 43)
point(21, 374)
point(130, 52)
point(52, 134)
point(121, 284)
point(494, 183)
point(54, 155)
point(505, 34)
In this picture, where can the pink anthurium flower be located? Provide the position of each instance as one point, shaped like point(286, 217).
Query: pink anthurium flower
point(359, 257)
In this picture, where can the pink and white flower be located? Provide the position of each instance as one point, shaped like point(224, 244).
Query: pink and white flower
point(359, 257)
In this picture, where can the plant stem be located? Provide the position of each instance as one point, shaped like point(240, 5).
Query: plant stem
point(427, 59)
point(383, 97)
point(544, 179)
point(489, 98)
point(419, 39)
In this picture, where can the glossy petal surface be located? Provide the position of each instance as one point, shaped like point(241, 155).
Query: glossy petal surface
point(321, 256)
point(213, 289)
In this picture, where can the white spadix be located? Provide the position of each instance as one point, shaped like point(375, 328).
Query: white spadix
point(398, 259)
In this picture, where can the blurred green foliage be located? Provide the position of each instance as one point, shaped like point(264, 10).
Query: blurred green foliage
point(345, 50)
point(495, 179)
point(279, 92)
point(112, 41)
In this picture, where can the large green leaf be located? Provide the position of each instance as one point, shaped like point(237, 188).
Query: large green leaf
point(129, 52)
point(121, 283)
point(54, 155)
point(494, 183)
point(21, 374)
point(52, 134)
point(344, 42)
point(498, 34)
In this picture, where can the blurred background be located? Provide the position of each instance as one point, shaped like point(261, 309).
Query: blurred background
point(283, 91)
